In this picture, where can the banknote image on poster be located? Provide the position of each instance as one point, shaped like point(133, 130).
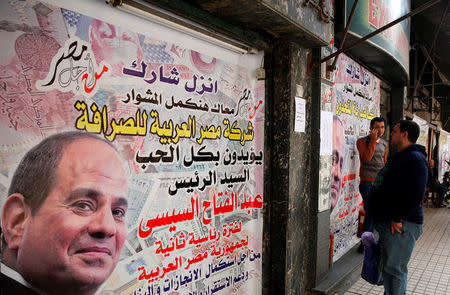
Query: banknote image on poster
point(356, 101)
point(184, 135)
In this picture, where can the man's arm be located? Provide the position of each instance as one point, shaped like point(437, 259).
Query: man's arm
point(366, 150)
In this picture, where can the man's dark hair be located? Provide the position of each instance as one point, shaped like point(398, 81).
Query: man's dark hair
point(36, 174)
point(412, 128)
point(377, 119)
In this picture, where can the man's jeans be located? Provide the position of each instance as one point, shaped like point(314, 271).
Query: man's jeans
point(365, 187)
point(396, 250)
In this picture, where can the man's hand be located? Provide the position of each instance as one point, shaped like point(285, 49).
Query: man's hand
point(373, 134)
point(396, 226)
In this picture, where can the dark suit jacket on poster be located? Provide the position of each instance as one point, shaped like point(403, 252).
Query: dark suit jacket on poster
point(11, 286)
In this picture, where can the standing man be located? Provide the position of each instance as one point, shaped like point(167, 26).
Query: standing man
point(372, 156)
point(396, 204)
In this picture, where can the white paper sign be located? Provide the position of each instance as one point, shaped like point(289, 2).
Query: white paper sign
point(326, 136)
point(300, 114)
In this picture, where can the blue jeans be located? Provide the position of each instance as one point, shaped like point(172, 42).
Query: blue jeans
point(396, 250)
point(365, 187)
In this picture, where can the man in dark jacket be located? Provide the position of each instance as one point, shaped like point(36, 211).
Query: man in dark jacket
point(396, 204)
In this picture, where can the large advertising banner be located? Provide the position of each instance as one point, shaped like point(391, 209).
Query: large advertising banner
point(189, 129)
point(356, 101)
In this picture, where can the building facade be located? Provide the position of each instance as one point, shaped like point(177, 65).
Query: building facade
point(223, 112)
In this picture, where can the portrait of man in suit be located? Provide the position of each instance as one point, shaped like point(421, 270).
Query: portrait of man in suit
point(63, 222)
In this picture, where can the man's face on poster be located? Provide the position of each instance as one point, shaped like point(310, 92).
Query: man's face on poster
point(76, 236)
point(337, 161)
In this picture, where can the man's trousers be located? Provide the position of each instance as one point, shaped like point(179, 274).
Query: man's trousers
point(365, 188)
point(396, 250)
